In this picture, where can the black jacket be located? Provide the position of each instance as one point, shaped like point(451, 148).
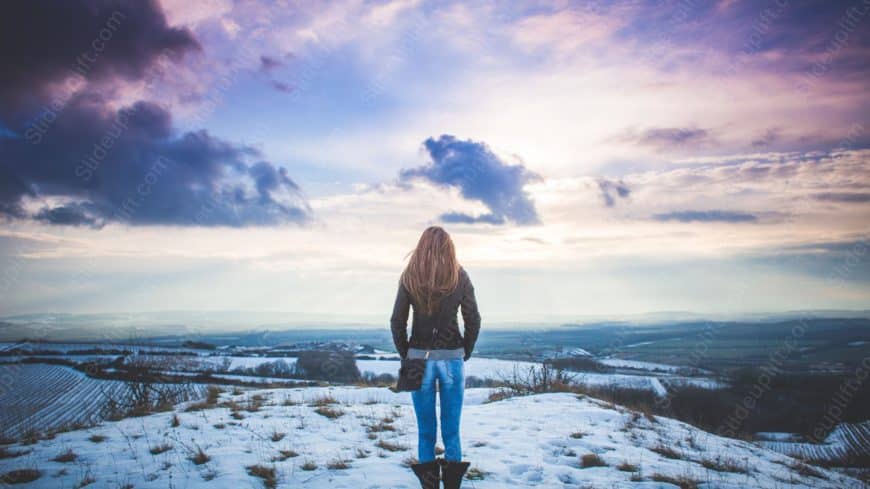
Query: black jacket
point(443, 323)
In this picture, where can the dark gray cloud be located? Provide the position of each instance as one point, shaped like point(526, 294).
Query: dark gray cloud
point(844, 197)
point(91, 164)
point(666, 137)
point(479, 175)
point(611, 190)
point(129, 167)
point(44, 41)
point(706, 216)
point(769, 137)
point(75, 214)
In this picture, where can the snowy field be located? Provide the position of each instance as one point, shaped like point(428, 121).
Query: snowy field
point(365, 439)
point(37, 397)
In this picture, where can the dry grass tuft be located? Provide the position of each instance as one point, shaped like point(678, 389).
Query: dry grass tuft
point(724, 465)
point(20, 476)
point(158, 449)
point(667, 452)
point(321, 401)
point(329, 412)
point(682, 482)
point(199, 457)
point(277, 436)
point(270, 478)
point(592, 460)
point(5, 453)
point(66, 456)
point(390, 446)
point(284, 455)
point(338, 464)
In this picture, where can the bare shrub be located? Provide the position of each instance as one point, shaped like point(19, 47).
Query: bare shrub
point(535, 379)
point(148, 389)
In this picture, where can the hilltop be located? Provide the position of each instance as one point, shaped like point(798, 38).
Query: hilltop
point(354, 437)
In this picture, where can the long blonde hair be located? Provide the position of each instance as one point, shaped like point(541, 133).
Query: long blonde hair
point(433, 271)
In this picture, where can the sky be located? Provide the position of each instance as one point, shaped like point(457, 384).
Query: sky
point(588, 158)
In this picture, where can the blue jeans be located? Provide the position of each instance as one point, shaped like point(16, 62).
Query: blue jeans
point(450, 375)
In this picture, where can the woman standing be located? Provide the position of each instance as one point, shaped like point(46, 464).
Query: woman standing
point(437, 287)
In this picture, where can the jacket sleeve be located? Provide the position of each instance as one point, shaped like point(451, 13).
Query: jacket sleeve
point(470, 317)
point(399, 321)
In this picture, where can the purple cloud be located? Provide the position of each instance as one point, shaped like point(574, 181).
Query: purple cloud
point(479, 175)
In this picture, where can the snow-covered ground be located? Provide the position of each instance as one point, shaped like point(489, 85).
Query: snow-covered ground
point(534, 441)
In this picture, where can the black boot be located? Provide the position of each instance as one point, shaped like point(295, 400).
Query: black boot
point(452, 472)
point(429, 474)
